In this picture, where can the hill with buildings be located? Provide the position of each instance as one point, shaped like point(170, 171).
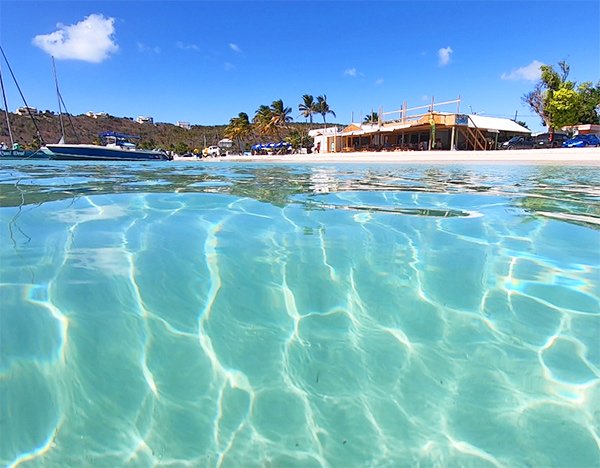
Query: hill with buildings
point(85, 129)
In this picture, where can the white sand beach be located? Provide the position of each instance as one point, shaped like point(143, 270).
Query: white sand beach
point(571, 156)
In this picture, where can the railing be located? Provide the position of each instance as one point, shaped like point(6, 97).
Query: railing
point(405, 114)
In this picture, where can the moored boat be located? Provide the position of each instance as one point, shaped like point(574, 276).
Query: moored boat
point(18, 153)
point(116, 147)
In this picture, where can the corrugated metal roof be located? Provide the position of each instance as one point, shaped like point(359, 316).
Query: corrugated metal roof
point(484, 122)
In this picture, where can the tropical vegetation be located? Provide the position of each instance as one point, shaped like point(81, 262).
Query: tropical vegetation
point(560, 102)
point(372, 118)
point(322, 107)
point(239, 129)
point(308, 107)
point(274, 122)
point(299, 139)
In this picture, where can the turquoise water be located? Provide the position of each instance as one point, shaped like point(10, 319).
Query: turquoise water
point(292, 315)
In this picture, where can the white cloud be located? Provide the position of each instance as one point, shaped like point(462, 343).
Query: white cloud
point(444, 55)
point(90, 40)
point(184, 46)
point(379, 81)
point(235, 48)
point(229, 66)
point(424, 97)
point(148, 49)
point(350, 72)
point(529, 72)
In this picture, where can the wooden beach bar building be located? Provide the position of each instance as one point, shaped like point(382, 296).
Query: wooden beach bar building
point(420, 128)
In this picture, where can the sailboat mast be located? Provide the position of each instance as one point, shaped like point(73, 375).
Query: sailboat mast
point(37, 129)
point(60, 118)
point(12, 141)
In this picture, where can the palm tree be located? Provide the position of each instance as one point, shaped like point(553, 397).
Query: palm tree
point(239, 129)
point(322, 108)
point(308, 107)
point(280, 116)
point(263, 120)
point(372, 118)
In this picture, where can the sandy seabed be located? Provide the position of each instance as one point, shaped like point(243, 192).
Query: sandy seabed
point(575, 156)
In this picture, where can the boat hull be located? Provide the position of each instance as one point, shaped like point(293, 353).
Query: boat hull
point(22, 154)
point(101, 153)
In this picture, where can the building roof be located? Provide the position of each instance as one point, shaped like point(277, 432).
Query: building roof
point(352, 128)
point(484, 122)
point(323, 131)
point(583, 128)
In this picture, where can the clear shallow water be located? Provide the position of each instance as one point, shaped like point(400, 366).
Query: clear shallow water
point(288, 315)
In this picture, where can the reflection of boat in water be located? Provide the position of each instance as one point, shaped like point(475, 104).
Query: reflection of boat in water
point(116, 147)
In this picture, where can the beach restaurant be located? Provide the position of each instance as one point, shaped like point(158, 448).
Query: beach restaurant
point(420, 128)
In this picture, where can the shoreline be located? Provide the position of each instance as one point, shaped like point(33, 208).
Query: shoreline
point(570, 156)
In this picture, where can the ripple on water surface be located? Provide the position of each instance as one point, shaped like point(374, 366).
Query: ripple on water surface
point(287, 315)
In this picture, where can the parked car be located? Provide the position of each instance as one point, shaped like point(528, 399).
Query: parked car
point(581, 141)
point(518, 142)
point(214, 151)
point(550, 140)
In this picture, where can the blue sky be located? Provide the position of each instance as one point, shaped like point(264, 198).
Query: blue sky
point(204, 62)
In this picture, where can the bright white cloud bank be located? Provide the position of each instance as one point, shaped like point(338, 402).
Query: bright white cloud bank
point(529, 72)
point(90, 40)
point(444, 55)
